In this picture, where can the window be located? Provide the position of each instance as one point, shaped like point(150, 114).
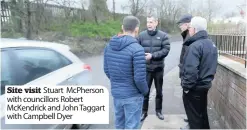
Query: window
point(35, 62)
point(6, 71)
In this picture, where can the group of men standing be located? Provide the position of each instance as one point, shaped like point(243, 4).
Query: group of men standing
point(133, 60)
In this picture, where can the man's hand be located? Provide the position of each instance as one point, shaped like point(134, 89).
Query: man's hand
point(148, 56)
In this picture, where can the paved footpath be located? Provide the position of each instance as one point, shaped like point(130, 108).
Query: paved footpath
point(173, 108)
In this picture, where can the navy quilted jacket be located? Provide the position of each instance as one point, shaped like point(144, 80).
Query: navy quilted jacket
point(125, 66)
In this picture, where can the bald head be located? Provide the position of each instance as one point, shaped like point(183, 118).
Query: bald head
point(130, 23)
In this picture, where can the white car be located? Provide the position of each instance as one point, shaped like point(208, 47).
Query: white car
point(26, 62)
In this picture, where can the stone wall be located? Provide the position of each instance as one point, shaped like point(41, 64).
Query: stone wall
point(228, 94)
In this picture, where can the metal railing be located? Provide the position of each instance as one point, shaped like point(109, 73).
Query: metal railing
point(231, 44)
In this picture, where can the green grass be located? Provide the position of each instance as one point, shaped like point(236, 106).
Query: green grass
point(90, 29)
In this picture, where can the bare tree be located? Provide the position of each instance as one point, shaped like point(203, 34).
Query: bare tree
point(136, 6)
point(114, 9)
point(68, 6)
point(212, 9)
point(167, 10)
point(28, 20)
point(83, 15)
point(21, 17)
point(207, 9)
point(15, 17)
point(40, 15)
point(186, 5)
point(123, 8)
point(98, 9)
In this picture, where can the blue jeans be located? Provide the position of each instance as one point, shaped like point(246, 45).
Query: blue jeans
point(128, 112)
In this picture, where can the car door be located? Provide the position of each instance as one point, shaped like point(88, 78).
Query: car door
point(7, 78)
point(23, 65)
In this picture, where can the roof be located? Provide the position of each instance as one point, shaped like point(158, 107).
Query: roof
point(9, 43)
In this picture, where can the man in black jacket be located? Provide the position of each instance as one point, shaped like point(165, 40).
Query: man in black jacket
point(157, 46)
point(198, 70)
point(183, 24)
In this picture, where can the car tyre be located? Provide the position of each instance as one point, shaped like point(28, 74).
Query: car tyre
point(80, 126)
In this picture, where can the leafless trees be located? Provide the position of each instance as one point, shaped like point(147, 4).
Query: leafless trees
point(136, 7)
point(30, 16)
point(99, 9)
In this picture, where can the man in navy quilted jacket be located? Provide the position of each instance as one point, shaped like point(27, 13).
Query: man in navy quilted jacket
point(125, 66)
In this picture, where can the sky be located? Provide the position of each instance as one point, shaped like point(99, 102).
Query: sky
point(227, 6)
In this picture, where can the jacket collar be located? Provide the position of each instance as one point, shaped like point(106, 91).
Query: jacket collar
point(185, 35)
point(152, 32)
point(199, 35)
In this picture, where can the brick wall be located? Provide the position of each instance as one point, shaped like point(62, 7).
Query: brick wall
point(228, 97)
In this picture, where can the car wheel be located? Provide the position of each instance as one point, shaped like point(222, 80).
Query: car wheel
point(80, 126)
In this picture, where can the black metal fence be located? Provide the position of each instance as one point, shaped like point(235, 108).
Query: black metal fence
point(231, 44)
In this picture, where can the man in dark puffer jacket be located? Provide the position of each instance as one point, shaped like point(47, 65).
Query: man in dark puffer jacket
point(157, 46)
point(125, 66)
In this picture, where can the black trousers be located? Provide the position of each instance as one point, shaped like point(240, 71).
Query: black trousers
point(157, 76)
point(195, 103)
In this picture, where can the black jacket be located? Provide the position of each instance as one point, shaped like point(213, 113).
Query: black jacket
point(156, 43)
point(185, 35)
point(199, 62)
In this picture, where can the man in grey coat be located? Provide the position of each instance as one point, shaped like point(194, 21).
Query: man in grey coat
point(157, 46)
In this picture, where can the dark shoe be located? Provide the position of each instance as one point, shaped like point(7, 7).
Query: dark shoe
point(160, 115)
point(186, 120)
point(143, 117)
